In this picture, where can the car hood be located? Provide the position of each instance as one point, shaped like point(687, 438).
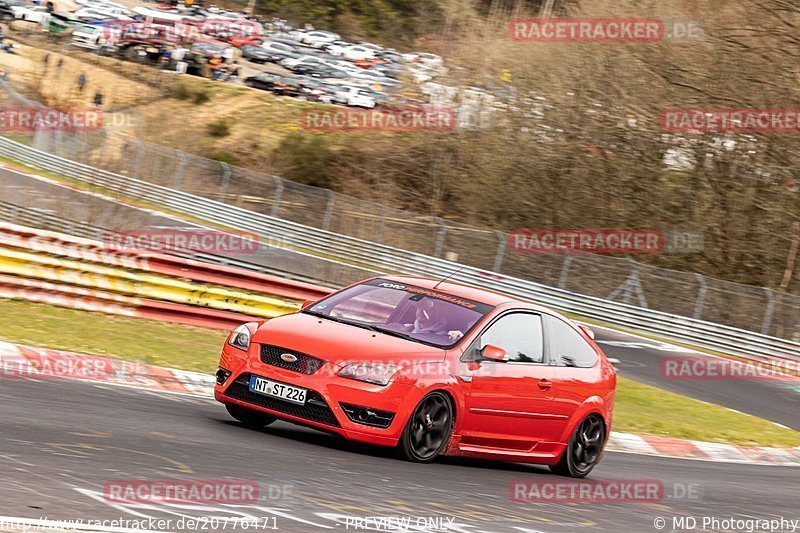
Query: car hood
point(340, 343)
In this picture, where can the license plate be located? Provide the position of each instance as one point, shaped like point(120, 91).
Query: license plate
point(278, 390)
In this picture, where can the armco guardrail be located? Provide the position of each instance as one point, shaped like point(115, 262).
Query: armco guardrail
point(380, 257)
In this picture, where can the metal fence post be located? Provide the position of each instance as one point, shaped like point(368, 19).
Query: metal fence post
point(564, 276)
point(226, 179)
point(326, 222)
point(136, 171)
point(701, 296)
point(769, 311)
point(179, 173)
point(381, 224)
point(439, 246)
point(276, 203)
point(501, 249)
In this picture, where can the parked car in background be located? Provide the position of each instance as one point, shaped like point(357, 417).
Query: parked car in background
point(353, 96)
point(326, 71)
point(264, 81)
point(358, 51)
point(352, 52)
point(316, 90)
point(99, 3)
point(318, 38)
point(36, 14)
point(287, 86)
point(244, 40)
point(282, 37)
point(256, 54)
point(6, 11)
point(91, 13)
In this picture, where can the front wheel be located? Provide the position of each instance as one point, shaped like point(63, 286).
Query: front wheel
point(248, 417)
point(584, 449)
point(428, 430)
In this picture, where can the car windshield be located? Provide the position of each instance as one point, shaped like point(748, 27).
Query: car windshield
point(421, 315)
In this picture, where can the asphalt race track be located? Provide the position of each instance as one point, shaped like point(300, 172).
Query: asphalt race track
point(63, 440)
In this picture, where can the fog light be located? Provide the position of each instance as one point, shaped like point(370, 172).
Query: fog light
point(222, 376)
point(367, 416)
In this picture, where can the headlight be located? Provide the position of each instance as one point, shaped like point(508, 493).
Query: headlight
point(377, 373)
point(240, 338)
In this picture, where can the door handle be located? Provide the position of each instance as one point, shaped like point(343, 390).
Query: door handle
point(545, 384)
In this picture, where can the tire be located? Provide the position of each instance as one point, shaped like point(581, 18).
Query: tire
point(428, 430)
point(248, 417)
point(576, 461)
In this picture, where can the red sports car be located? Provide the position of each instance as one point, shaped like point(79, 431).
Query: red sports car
point(430, 367)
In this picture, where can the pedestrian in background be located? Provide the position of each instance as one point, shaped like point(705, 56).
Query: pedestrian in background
point(81, 82)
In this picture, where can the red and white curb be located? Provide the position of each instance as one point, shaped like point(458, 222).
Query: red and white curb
point(704, 451)
point(18, 361)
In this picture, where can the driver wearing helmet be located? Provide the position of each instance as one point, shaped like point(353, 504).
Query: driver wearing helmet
point(428, 319)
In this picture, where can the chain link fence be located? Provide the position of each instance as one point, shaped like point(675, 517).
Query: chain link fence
point(610, 277)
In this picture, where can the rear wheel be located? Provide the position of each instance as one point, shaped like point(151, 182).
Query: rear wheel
point(429, 428)
point(584, 448)
point(249, 417)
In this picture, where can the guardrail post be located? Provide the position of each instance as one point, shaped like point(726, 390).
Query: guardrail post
point(562, 278)
point(501, 250)
point(137, 165)
point(326, 222)
point(381, 224)
point(769, 311)
point(439, 246)
point(226, 179)
point(701, 296)
point(276, 203)
point(632, 285)
point(179, 172)
point(58, 145)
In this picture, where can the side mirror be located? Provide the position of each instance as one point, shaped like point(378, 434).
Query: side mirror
point(307, 303)
point(587, 330)
point(493, 353)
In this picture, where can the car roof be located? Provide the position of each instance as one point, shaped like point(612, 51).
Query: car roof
point(464, 291)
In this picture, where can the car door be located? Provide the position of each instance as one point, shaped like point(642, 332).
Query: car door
point(509, 403)
point(576, 366)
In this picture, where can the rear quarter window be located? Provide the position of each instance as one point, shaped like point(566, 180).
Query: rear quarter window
point(567, 346)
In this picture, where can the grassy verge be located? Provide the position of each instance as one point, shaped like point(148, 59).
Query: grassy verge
point(132, 339)
point(640, 408)
point(645, 409)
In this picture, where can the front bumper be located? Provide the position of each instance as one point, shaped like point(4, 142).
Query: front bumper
point(327, 392)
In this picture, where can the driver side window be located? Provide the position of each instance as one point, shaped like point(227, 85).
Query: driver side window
point(519, 334)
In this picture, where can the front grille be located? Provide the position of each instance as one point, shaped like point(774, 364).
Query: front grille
point(315, 409)
point(305, 364)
